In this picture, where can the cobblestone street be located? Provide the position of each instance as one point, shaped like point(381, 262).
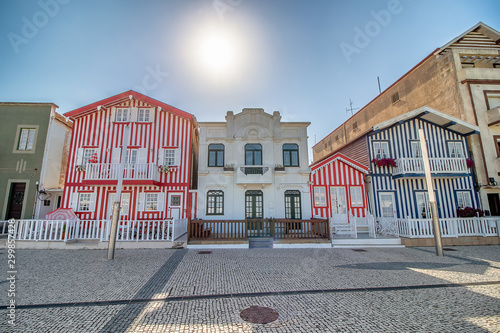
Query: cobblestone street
point(312, 290)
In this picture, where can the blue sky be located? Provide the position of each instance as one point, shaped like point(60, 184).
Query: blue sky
point(305, 59)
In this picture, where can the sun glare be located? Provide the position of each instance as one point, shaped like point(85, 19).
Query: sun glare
point(218, 53)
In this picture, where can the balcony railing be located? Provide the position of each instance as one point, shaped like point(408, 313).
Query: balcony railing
point(254, 174)
point(131, 171)
point(439, 165)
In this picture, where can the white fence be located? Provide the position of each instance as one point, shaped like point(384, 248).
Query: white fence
point(57, 230)
point(4, 227)
point(451, 227)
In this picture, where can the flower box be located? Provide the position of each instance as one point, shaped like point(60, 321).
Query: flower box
point(390, 162)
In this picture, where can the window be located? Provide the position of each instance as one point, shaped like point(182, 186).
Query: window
point(144, 115)
point(131, 156)
point(356, 196)
point(320, 196)
point(169, 157)
point(467, 65)
point(464, 199)
point(497, 144)
point(423, 208)
point(26, 139)
point(395, 98)
point(381, 149)
point(215, 203)
point(293, 208)
point(87, 154)
point(216, 155)
point(175, 200)
point(416, 151)
point(456, 149)
point(125, 204)
point(493, 100)
point(291, 155)
point(122, 114)
point(253, 154)
point(254, 207)
point(151, 201)
point(46, 202)
point(84, 200)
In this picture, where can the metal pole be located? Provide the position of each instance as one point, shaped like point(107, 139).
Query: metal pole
point(117, 202)
point(432, 197)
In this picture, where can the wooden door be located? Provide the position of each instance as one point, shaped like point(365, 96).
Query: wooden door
point(16, 199)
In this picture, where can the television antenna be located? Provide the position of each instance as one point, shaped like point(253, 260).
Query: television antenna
point(351, 109)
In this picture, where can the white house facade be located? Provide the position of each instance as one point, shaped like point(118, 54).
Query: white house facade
point(253, 166)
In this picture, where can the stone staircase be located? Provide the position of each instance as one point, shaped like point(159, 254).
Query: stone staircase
point(260, 243)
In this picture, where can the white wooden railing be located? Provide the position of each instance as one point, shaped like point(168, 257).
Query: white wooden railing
point(57, 230)
point(4, 227)
point(450, 227)
point(446, 165)
point(110, 171)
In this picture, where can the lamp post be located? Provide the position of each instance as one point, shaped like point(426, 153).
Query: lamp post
point(117, 202)
point(432, 197)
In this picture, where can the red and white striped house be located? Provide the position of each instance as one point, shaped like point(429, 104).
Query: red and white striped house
point(159, 169)
point(338, 188)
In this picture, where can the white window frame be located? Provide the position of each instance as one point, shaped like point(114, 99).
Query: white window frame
point(423, 206)
point(84, 202)
point(493, 99)
point(380, 149)
point(456, 149)
point(151, 201)
point(144, 115)
point(131, 156)
point(356, 196)
point(416, 150)
point(169, 157)
point(320, 196)
point(87, 154)
point(26, 139)
point(122, 115)
point(464, 199)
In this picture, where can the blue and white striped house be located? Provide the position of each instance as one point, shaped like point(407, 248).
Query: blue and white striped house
point(397, 188)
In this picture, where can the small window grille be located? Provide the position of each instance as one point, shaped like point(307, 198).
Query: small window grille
point(395, 98)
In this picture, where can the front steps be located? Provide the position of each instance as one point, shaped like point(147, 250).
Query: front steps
point(364, 241)
point(260, 243)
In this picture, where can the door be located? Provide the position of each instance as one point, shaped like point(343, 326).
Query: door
point(387, 204)
point(254, 208)
point(16, 199)
point(494, 202)
point(423, 207)
point(174, 205)
point(338, 203)
point(293, 209)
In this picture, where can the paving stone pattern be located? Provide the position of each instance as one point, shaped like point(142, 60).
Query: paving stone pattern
point(52, 276)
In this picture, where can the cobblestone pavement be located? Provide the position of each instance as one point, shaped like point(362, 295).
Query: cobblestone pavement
point(313, 290)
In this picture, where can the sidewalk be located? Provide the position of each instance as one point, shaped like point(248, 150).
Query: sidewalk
point(312, 290)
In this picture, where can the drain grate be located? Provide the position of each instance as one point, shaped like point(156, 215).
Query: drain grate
point(359, 250)
point(259, 315)
point(204, 252)
point(448, 249)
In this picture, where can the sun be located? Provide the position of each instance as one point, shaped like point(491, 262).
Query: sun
point(218, 53)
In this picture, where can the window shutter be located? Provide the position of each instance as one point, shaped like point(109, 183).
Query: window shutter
point(152, 115)
point(142, 156)
point(161, 157)
point(177, 160)
point(115, 155)
point(142, 202)
point(92, 202)
point(113, 113)
point(133, 114)
point(79, 156)
point(74, 201)
point(161, 202)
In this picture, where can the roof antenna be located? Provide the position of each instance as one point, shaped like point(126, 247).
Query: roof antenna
point(379, 90)
point(351, 109)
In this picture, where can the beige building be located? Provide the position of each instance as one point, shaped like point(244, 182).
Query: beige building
point(461, 79)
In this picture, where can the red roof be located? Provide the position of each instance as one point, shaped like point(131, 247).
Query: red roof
point(88, 109)
point(343, 158)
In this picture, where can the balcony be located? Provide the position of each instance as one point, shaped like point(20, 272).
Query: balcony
point(478, 74)
point(440, 166)
point(493, 116)
point(254, 174)
point(143, 172)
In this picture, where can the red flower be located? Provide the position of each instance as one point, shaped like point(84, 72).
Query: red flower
point(470, 163)
point(385, 162)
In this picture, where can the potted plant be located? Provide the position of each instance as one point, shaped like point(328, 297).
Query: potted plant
point(80, 167)
point(165, 168)
point(387, 161)
point(469, 212)
point(229, 167)
point(470, 163)
point(279, 167)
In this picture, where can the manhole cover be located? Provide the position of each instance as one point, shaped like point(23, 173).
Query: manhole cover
point(259, 315)
point(204, 252)
point(448, 249)
point(359, 250)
